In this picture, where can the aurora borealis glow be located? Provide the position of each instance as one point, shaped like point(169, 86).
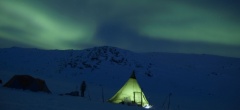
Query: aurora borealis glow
point(199, 26)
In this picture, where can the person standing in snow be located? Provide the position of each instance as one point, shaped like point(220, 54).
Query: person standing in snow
point(83, 88)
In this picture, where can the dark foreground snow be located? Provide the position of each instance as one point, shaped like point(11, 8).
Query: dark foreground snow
point(12, 99)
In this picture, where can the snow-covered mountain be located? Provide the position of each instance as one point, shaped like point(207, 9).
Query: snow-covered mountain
point(197, 82)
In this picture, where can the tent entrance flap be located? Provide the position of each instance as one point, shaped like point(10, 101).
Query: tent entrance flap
point(137, 98)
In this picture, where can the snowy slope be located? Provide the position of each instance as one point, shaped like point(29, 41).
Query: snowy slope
point(197, 82)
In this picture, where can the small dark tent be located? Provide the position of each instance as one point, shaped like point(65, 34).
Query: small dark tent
point(27, 82)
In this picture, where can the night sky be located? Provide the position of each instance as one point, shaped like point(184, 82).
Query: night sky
point(180, 26)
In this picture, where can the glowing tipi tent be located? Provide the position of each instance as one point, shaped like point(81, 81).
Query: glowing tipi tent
point(130, 93)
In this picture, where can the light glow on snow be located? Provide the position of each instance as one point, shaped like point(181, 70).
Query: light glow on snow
point(147, 106)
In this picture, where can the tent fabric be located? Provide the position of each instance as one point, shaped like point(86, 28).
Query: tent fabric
point(130, 93)
point(27, 82)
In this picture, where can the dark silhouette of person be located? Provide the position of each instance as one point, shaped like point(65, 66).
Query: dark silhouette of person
point(83, 88)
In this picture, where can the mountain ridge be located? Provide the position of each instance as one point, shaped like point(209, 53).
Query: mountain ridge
point(93, 57)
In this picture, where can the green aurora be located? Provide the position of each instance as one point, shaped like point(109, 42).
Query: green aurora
point(200, 26)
